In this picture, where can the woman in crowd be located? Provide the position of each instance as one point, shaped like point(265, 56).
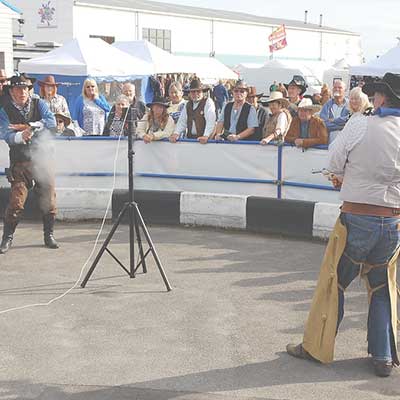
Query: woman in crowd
point(278, 123)
point(116, 123)
point(91, 109)
point(177, 101)
point(159, 123)
point(48, 92)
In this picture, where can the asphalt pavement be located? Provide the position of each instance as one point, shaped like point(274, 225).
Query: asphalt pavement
point(237, 300)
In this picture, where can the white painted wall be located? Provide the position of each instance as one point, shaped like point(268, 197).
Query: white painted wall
point(6, 41)
point(32, 30)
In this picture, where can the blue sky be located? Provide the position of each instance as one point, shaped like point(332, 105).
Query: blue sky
point(376, 20)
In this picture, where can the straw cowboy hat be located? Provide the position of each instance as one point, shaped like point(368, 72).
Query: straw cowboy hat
point(298, 81)
point(253, 92)
point(389, 85)
point(66, 118)
point(307, 104)
point(159, 100)
point(277, 96)
point(49, 81)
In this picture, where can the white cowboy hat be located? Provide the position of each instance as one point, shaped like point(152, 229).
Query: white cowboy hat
point(308, 105)
point(278, 96)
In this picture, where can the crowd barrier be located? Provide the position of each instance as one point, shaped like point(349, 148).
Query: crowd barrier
point(239, 168)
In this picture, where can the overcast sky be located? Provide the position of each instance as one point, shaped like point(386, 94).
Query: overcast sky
point(376, 20)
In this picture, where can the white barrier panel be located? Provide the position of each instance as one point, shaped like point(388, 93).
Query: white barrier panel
point(242, 169)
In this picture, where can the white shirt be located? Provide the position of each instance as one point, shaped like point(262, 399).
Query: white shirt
point(209, 115)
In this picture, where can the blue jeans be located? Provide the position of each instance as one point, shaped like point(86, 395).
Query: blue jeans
point(372, 240)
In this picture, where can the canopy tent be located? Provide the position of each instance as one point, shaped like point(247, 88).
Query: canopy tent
point(162, 62)
point(208, 69)
point(389, 62)
point(78, 59)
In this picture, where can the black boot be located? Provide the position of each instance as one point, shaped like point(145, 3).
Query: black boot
point(48, 227)
point(8, 234)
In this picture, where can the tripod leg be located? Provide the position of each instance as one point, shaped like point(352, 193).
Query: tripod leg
point(131, 240)
point(105, 244)
point(153, 250)
point(140, 245)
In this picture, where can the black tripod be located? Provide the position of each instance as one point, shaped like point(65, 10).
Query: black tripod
point(136, 222)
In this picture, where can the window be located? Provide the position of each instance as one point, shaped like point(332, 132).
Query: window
point(159, 37)
point(107, 39)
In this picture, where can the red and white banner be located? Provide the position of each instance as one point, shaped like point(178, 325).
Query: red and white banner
point(277, 39)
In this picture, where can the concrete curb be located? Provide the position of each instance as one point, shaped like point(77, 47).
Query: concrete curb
point(257, 214)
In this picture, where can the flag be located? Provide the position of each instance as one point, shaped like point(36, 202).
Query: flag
point(277, 39)
point(279, 45)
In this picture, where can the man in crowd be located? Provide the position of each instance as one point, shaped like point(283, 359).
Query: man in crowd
point(197, 120)
point(27, 168)
point(307, 129)
point(295, 88)
point(129, 90)
point(221, 96)
point(238, 118)
point(3, 92)
point(262, 113)
point(335, 112)
point(366, 239)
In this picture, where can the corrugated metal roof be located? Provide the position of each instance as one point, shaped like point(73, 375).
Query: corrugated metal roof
point(10, 6)
point(168, 8)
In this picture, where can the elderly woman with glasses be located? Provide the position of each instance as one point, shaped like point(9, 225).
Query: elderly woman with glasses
point(91, 109)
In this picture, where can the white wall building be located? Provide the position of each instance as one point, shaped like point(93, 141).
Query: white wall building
point(233, 37)
point(7, 13)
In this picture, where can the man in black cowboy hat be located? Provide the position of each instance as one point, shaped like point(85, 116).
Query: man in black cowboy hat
point(197, 120)
point(24, 172)
point(366, 239)
point(296, 88)
point(238, 119)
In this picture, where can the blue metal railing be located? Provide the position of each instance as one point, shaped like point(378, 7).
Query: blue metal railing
point(279, 181)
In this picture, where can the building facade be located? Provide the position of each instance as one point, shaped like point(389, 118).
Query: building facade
point(231, 37)
point(8, 13)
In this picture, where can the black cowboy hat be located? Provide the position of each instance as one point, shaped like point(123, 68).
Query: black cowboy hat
point(196, 84)
point(389, 85)
point(161, 101)
point(20, 81)
point(298, 81)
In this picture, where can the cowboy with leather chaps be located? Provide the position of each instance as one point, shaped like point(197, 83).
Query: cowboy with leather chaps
point(29, 166)
point(364, 162)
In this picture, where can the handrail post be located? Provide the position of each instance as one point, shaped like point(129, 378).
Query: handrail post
point(279, 177)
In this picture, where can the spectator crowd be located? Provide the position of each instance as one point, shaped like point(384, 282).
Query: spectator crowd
point(229, 111)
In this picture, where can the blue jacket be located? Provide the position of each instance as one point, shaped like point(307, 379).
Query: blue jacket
point(326, 114)
point(221, 94)
point(8, 134)
point(77, 112)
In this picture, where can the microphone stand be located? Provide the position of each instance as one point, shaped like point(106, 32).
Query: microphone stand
point(136, 222)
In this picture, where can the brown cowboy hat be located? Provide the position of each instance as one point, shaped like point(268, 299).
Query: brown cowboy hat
point(3, 75)
point(49, 81)
point(66, 118)
point(253, 92)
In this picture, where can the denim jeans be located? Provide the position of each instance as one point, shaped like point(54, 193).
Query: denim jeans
point(372, 240)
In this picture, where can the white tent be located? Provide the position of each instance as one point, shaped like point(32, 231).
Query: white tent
point(87, 57)
point(389, 62)
point(208, 69)
point(161, 61)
